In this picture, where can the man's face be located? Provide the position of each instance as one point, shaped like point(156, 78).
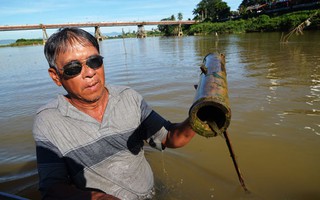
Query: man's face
point(89, 84)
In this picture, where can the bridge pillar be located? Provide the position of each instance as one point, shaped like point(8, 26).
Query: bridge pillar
point(141, 33)
point(180, 33)
point(98, 34)
point(44, 35)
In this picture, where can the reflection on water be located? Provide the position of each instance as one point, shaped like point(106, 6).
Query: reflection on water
point(274, 93)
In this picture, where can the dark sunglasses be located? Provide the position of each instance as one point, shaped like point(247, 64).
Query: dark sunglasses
point(74, 67)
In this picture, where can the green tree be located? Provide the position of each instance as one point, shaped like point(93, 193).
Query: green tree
point(247, 3)
point(214, 10)
point(168, 30)
point(180, 16)
point(200, 11)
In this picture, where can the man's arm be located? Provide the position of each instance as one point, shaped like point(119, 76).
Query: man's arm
point(179, 135)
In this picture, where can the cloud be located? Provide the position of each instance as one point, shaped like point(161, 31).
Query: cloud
point(30, 7)
point(60, 11)
point(19, 11)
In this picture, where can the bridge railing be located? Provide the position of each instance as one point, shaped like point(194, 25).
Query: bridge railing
point(91, 24)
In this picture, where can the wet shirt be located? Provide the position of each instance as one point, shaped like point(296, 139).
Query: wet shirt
point(73, 147)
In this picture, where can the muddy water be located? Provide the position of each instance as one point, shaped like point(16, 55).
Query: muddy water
point(274, 92)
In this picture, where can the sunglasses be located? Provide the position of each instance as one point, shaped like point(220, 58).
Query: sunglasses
point(74, 67)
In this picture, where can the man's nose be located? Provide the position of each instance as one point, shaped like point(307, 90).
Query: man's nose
point(87, 71)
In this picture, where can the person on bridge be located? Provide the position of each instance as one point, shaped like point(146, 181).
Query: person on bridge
point(89, 142)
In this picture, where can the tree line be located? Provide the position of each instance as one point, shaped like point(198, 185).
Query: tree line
point(218, 10)
point(215, 16)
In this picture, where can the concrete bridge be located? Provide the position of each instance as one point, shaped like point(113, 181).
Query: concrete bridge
point(140, 33)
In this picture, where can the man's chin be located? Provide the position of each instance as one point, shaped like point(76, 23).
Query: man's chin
point(91, 99)
point(94, 97)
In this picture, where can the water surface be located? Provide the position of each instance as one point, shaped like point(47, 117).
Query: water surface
point(274, 92)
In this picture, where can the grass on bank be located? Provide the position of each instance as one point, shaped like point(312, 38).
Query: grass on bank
point(24, 42)
point(262, 23)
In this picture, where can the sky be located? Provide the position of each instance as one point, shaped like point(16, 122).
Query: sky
point(22, 12)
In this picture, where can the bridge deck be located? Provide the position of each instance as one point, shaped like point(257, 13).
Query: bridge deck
point(90, 24)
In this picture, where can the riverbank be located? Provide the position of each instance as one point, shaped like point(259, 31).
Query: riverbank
point(262, 23)
point(24, 42)
point(34, 42)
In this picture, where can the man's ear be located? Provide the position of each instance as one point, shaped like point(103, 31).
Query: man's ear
point(55, 76)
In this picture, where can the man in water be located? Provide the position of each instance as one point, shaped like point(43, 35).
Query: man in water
point(90, 141)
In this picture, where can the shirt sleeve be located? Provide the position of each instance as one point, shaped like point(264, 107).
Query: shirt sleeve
point(157, 129)
point(153, 128)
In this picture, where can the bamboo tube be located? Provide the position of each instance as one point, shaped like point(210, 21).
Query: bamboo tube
point(211, 102)
point(210, 114)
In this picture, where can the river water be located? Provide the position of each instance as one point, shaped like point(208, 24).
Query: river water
point(274, 92)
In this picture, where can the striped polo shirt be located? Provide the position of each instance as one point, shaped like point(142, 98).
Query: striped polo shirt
point(73, 147)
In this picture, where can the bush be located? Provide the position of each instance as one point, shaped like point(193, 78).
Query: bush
point(257, 24)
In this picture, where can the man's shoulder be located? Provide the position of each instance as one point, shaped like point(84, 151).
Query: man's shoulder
point(51, 105)
point(119, 90)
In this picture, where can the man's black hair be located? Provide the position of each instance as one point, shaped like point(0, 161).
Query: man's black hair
point(60, 42)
